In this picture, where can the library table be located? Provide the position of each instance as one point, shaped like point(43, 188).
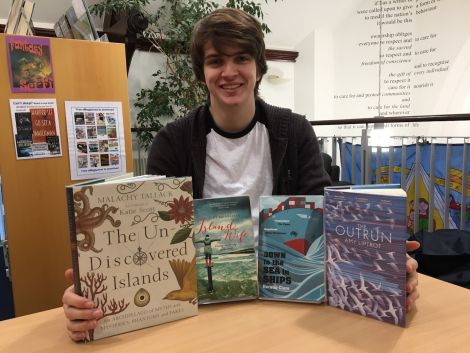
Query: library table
point(440, 323)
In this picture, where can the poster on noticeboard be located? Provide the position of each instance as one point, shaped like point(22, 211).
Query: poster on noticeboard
point(35, 125)
point(30, 64)
point(96, 139)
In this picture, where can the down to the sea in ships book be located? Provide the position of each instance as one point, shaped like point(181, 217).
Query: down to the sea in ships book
point(132, 252)
point(291, 248)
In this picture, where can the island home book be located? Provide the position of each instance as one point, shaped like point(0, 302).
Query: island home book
point(291, 248)
point(226, 259)
point(365, 236)
point(131, 250)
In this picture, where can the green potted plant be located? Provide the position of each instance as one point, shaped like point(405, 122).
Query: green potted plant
point(175, 91)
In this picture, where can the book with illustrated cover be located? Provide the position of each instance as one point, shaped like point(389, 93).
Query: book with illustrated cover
point(24, 145)
point(23, 124)
point(365, 236)
point(225, 251)
point(30, 64)
point(132, 251)
point(291, 250)
point(43, 124)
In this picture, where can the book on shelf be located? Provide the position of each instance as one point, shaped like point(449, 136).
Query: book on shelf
point(365, 237)
point(225, 250)
point(76, 23)
point(291, 249)
point(132, 253)
point(19, 18)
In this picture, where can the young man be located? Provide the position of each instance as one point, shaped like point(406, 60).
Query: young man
point(236, 144)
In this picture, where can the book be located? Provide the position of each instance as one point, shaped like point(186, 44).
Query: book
point(77, 23)
point(365, 236)
point(30, 64)
point(24, 145)
point(291, 249)
point(225, 249)
point(23, 123)
point(43, 124)
point(65, 27)
point(132, 253)
point(57, 30)
point(25, 24)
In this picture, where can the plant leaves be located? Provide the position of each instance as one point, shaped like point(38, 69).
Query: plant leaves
point(181, 235)
point(164, 215)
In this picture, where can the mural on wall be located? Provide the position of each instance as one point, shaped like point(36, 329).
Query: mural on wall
point(423, 170)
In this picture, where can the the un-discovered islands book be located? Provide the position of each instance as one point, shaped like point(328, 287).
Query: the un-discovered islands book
point(365, 235)
point(291, 248)
point(132, 253)
point(225, 252)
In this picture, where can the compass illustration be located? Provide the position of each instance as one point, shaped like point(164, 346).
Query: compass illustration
point(140, 257)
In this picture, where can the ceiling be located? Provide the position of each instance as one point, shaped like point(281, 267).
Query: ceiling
point(290, 20)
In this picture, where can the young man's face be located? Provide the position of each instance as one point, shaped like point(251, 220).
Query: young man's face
point(230, 76)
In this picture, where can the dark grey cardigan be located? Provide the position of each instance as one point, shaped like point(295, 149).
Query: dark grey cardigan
point(179, 149)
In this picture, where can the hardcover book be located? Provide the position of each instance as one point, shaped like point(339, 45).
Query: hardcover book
point(225, 251)
point(365, 233)
point(132, 253)
point(30, 64)
point(291, 249)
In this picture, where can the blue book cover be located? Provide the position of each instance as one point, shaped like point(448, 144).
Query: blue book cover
point(225, 250)
point(291, 248)
point(365, 236)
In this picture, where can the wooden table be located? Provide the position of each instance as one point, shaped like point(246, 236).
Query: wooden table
point(440, 324)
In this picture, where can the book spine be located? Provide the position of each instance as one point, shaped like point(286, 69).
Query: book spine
point(73, 240)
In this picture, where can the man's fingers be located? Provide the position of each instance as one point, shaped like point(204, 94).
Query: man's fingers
point(411, 265)
point(411, 300)
point(69, 274)
point(73, 313)
point(412, 245)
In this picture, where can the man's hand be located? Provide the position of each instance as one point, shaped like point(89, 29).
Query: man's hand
point(412, 293)
point(80, 312)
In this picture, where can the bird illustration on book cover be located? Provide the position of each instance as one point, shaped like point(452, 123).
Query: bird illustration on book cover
point(134, 255)
point(366, 254)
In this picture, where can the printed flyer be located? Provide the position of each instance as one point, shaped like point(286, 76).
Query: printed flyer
point(30, 64)
point(35, 128)
point(96, 139)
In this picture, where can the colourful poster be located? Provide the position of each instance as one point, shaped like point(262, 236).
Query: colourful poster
point(35, 128)
point(30, 64)
point(96, 139)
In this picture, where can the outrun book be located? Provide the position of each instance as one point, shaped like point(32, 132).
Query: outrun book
point(132, 254)
point(365, 233)
point(225, 251)
point(291, 249)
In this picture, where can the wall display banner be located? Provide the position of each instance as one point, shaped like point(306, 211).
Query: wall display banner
point(403, 58)
point(95, 134)
point(35, 128)
point(30, 64)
